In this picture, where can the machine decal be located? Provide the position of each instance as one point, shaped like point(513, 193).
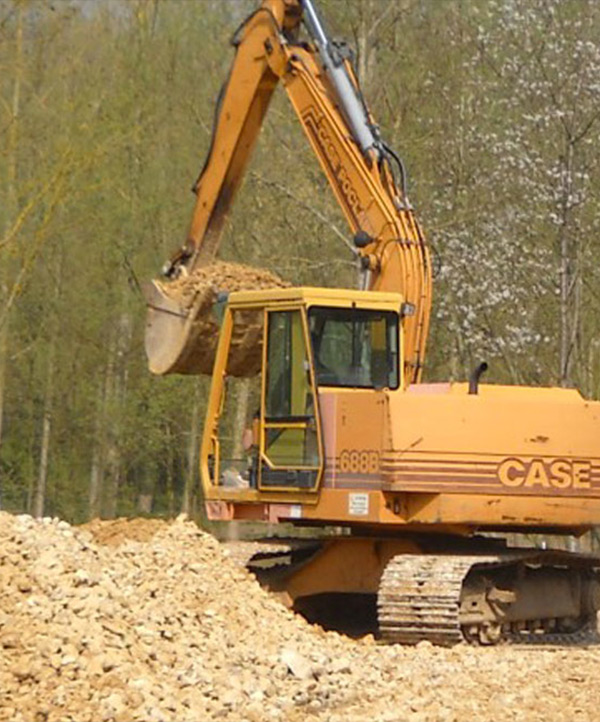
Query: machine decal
point(534, 476)
point(358, 504)
point(277, 512)
point(328, 151)
point(354, 461)
point(558, 474)
point(352, 481)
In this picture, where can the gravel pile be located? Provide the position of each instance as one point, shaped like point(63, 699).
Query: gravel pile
point(96, 625)
point(196, 295)
point(220, 276)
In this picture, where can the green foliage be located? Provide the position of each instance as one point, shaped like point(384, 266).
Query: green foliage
point(105, 117)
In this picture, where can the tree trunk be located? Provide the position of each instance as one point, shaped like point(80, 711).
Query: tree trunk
point(95, 483)
point(39, 497)
point(147, 487)
point(116, 385)
point(97, 467)
point(170, 473)
point(108, 482)
point(566, 274)
point(31, 480)
point(145, 500)
point(11, 201)
point(374, 17)
point(113, 480)
point(364, 46)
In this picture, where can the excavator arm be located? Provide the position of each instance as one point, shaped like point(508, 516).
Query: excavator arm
point(325, 95)
point(241, 108)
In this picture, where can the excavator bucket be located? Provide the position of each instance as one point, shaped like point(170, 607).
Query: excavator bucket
point(182, 328)
point(178, 339)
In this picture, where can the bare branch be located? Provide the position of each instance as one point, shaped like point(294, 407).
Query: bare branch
point(287, 192)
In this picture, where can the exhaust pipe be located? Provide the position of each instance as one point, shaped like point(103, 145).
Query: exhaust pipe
point(475, 376)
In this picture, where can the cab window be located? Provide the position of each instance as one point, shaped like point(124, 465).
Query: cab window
point(355, 347)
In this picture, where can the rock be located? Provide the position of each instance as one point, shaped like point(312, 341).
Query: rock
point(42, 713)
point(340, 665)
point(23, 670)
point(23, 584)
point(9, 640)
point(81, 577)
point(139, 620)
point(109, 661)
point(116, 702)
point(94, 666)
point(298, 665)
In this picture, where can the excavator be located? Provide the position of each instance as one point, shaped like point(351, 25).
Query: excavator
point(417, 484)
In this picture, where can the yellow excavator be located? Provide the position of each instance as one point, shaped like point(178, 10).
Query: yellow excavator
point(344, 434)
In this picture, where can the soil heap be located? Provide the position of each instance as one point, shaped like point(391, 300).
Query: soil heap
point(194, 298)
point(152, 621)
point(205, 282)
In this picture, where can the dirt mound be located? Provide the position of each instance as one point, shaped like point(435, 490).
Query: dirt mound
point(115, 532)
point(172, 629)
point(183, 325)
point(207, 281)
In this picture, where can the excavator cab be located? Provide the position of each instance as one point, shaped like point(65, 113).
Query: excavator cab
point(279, 352)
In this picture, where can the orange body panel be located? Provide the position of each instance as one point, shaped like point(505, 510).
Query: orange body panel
point(442, 502)
point(503, 440)
point(329, 570)
point(432, 456)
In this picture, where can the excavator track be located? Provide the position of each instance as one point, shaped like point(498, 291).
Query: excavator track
point(420, 600)
point(586, 636)
point(245, 553)
point(450, 599)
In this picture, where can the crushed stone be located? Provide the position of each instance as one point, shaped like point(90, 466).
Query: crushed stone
point(153, 621)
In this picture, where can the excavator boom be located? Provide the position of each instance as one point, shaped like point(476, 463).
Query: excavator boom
point(325, 95)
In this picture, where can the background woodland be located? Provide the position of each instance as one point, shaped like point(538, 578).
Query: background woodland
point(106, 110)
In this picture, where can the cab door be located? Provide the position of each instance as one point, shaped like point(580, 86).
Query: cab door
point(291, 448)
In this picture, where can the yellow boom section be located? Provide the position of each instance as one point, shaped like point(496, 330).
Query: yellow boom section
point(389, 240)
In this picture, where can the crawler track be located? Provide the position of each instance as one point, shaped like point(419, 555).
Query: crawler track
point(419, 600)
point(243, 553)
point(420, 596)
point(587, 635)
